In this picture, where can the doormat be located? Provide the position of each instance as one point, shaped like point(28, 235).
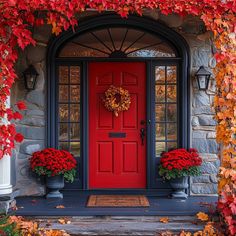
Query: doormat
point(118, 201)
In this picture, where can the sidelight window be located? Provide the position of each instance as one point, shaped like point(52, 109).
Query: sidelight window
point(166, 108)
point(69, 109)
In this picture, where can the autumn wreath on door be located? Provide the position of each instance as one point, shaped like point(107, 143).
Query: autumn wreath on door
point(117, 99)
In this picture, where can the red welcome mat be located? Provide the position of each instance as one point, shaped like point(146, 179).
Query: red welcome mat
point(118, 201)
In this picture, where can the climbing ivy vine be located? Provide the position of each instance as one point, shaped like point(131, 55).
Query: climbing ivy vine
point(17, 17)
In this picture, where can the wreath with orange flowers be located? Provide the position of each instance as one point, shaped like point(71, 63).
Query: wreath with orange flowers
point(117, 99)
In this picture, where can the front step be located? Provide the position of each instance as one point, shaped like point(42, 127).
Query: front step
point(120, 225)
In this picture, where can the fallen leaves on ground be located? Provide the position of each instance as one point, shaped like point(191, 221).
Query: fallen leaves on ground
point(51, 232)
point(202, 216)
point(27, 228)
point(164, 220)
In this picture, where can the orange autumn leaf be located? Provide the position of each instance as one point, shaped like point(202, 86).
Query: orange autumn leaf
point(183, 233)
point(62, 221)
point(198, 233)
point(222, 183)
point(164, 220)
point(233, 162)
point(202, 216)
point(60, 207)
point(56, 29)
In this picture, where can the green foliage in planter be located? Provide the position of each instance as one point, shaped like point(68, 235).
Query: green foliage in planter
point(69, 175)
point(175, 173)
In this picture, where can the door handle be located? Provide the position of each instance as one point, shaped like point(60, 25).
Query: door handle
point(142, 135)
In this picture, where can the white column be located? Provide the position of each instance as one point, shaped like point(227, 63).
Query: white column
point(5, 175)
point(5, 168)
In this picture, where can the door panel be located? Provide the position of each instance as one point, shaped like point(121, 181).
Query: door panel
point(117, 162)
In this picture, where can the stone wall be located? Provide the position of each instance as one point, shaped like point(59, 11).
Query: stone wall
point(202, 122)
point(33, 125)
point(203, 138)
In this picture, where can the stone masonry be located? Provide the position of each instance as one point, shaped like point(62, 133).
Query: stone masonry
point(202, 122)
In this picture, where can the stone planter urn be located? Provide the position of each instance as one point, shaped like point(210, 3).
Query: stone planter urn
point(179, 185)
point(54, 185)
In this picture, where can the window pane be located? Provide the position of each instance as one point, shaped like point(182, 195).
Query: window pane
point(63, 131)
point(75, 131)
point(64, 146)
point(74, 93)
point(160, 147)
point(63, 75)
point(74, 50)
point(171, 74)
point(172, 131)
point(171, 93)
point(92, 39)
point(160, 112)
point(160, 93)
point(160, 131)
point(63, 93)
point(74, 112)
point(160, 74)
point(74, 74)
point(63, 112)
point(171, 145)
point(171, 112)
point(118, 36)
point(75, 148)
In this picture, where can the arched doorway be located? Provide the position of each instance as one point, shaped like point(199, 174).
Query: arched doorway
point(145, 58)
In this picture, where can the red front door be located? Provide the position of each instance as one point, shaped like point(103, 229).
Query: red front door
point(117, 162)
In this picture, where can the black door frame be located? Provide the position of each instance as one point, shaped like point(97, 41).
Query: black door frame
point(182, 60)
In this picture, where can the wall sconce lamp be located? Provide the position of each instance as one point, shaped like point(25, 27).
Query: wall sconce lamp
point(203, 78)
point(30, 77)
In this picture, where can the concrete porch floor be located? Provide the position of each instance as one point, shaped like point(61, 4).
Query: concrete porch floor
point(74, 203)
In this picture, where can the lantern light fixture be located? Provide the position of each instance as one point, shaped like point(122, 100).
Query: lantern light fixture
point(30, 77)
point(203, 78)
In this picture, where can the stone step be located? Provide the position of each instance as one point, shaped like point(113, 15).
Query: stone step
point(120, 225)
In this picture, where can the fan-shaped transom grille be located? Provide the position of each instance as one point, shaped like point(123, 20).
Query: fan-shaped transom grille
point(117, 42)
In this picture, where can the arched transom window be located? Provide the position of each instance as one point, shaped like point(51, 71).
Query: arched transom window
point(117, 42)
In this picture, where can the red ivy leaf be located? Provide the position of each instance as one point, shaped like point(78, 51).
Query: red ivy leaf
point(21, 105)
point(19, 137)
point(17, 115)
